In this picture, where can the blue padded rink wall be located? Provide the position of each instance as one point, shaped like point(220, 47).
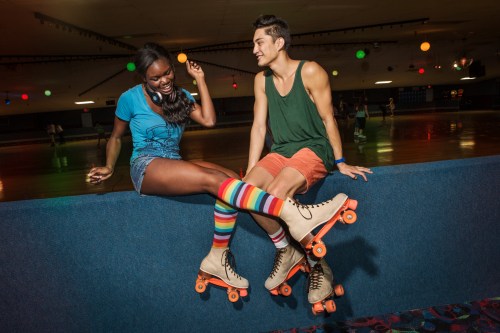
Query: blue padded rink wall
point(427, 234)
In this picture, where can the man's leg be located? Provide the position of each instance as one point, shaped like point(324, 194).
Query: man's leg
point(286, 184)
point(288, 255)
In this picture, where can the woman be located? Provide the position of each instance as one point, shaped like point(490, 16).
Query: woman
point(156, 112)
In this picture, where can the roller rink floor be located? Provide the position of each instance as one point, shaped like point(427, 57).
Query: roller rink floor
point(33, 171)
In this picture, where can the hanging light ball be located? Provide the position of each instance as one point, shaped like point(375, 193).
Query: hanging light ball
point(195, 83)
point(182, 57)
point(360, 54)
point(7, 101)
point(131, 67)
point(47, 93)
point(463, 61)
point(24, 97)
point(335, 72)
point(235, 85)
point(425, 46)
point(421, 70)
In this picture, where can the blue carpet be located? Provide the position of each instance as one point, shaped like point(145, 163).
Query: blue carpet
point(473, 317)
point(426, 234)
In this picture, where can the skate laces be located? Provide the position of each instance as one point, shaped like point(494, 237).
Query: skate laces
point(306, 208)
point(277, 261)
point(229, 263)
point(315, 277)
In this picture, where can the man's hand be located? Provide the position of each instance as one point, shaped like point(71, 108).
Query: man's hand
point(353, 171)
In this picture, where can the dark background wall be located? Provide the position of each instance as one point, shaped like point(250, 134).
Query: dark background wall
point(480, 95)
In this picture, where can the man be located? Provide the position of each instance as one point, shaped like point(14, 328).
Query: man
point(297, 97)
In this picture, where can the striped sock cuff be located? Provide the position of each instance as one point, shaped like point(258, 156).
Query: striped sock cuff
point(279, 238)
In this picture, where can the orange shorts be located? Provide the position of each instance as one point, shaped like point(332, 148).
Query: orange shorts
point(304, 161)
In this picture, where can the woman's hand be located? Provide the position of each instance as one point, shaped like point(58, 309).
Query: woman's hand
point(99, 174)
point(194, 70)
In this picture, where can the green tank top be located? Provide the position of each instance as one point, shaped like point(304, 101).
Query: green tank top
point(295, 122)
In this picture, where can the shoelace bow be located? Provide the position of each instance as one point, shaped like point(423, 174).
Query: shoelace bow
point(302, 207)
point(229, 262)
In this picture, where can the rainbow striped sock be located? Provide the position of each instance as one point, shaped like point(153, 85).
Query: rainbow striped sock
point(242, 195)
point(225, 219)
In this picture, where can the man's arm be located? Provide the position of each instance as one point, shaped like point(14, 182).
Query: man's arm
point(317, 85)
point(259, 126)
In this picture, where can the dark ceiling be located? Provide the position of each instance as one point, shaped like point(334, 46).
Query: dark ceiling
point(78, 49)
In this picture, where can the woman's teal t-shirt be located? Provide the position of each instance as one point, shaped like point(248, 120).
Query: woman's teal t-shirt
point(151, 134)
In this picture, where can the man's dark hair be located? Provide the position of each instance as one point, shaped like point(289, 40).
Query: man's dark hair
point(274, 27)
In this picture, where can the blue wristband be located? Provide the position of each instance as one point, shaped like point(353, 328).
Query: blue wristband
point(340, 160)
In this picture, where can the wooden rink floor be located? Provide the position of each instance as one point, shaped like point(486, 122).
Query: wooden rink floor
point(40, 171)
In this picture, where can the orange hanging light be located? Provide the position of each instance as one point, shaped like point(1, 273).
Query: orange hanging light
point(182, 57)
point(425, 46)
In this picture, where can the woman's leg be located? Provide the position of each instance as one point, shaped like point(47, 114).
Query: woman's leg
point(224, 215)
point(185, 177)
point(177, 177)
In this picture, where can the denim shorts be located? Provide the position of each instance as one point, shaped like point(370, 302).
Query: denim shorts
point(138, 170)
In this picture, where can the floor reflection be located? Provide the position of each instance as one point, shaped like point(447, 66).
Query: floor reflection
point(40, 171)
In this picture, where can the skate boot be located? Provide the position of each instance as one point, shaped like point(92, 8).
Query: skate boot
point(287, 261)
point(217, 268)
point(321, 287)
point(303, 219)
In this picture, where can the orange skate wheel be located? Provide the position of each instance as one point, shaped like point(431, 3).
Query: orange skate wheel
point(319, 250)
point(349, 216)
point(317, 308)
point(339, 290)
point(233, 296)
point(200, 286)
point(330, 306)
point(285, 290)
point(353, 204)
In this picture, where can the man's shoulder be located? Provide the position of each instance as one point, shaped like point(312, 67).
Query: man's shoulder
point(264, 73)
point(311, 66)
point(312, 71)
point(260, 78)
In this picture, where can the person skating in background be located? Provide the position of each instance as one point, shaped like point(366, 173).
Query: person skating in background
point(361, 117)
